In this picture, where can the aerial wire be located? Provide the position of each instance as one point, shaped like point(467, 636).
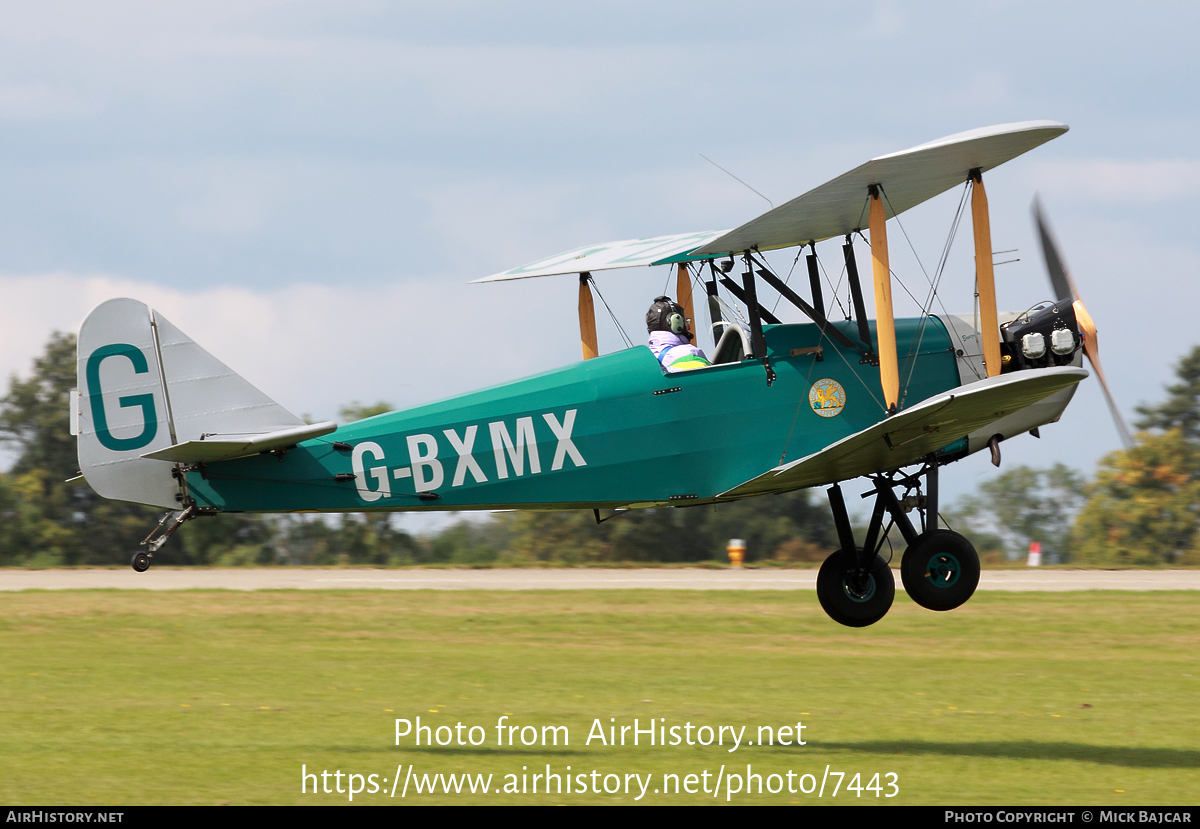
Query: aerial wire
point(735, 178)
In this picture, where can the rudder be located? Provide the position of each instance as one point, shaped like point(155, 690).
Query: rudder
point(144, 387)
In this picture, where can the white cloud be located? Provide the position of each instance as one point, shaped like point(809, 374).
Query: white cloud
point(314, 348)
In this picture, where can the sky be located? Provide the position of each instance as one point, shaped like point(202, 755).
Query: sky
point(306, 188)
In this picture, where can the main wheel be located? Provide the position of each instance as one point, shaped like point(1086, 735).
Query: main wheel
point(940, 570)
point(854, 597)
point(141, 562)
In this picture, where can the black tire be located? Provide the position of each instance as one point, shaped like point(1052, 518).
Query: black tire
point(853, 599)
point(940, 570)
point(141, 562)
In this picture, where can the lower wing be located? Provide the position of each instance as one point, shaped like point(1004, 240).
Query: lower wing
point(912, 434)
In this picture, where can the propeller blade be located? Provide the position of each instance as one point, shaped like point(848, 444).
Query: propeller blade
point(1060, 277)
point(1091, 348)
point(1064, 286)
point(1118, 419)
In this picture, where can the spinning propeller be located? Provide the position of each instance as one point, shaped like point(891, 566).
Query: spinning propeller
point(1064, 286)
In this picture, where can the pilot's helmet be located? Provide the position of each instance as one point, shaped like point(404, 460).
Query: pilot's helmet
point(666, 315)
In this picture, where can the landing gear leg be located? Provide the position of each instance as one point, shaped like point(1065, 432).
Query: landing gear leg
point(158, 536)
point(855, 585)
point(940, 568)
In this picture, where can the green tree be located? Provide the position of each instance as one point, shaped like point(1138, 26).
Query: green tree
point(355, 538)
point(50, 520)
point(783, 526)
point(467, 542)
point(357, 411)
point(1025, 504)
point(35, 414)
point(1144, 504)
point(1181, 409)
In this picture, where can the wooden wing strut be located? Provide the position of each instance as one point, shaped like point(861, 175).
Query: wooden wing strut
point(985, 281)
point(885, 323)
point(683, 294)
point(587, 318)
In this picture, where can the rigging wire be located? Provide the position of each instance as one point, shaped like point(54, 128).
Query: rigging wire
point(834, 288)
point(789, 278)
point(943, 261)
point(699, 289)
point(624, 336)
point(910, 359)
point(932, 295)
point(825, 336)
point(914, 350)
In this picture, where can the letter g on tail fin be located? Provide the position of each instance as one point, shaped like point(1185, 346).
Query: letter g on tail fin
point(123, 411)
point(145, 386)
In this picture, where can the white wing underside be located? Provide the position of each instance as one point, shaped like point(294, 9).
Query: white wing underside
point(908, 178)
point(835, 208)
point(912, 434)
point(629, 253)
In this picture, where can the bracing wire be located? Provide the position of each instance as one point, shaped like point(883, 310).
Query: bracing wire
point(834, 288)
point(824, 337)
point(789, 279)
point(939, 273)
point(915, 348)
point(616, 322)
point(932, 295)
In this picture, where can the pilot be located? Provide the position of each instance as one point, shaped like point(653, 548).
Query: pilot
point(670, 339)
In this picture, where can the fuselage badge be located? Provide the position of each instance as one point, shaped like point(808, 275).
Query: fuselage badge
point(827, 397)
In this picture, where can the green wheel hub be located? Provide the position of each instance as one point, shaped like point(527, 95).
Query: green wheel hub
point(859, 589)
point(943, 570)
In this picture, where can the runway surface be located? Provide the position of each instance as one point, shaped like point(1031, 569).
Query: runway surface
point(166, 578)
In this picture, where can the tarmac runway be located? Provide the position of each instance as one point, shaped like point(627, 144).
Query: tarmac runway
point(299, 578)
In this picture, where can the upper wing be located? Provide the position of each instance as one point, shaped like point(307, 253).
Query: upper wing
point(908, 177)
point(906, 437)
point(836, 208)
point(625, 254)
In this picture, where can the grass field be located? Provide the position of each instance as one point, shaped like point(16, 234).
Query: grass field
point(130, 697)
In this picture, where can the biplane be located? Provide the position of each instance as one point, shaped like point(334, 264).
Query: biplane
point(160, 421)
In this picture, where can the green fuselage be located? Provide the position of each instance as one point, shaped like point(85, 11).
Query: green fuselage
point(614, 431)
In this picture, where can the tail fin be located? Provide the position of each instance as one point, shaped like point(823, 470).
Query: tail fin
point(146, 388)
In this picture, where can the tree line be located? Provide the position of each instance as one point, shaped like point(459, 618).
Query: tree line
point(1140, 508)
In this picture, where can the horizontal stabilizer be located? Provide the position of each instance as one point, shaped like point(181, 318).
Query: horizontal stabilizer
point(912, 434)
point(227, 447)
point(908, 178)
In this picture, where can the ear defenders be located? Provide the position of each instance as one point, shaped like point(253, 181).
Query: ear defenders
point(665, 315)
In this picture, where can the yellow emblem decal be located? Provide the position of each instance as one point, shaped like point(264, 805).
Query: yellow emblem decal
point(827, 397)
